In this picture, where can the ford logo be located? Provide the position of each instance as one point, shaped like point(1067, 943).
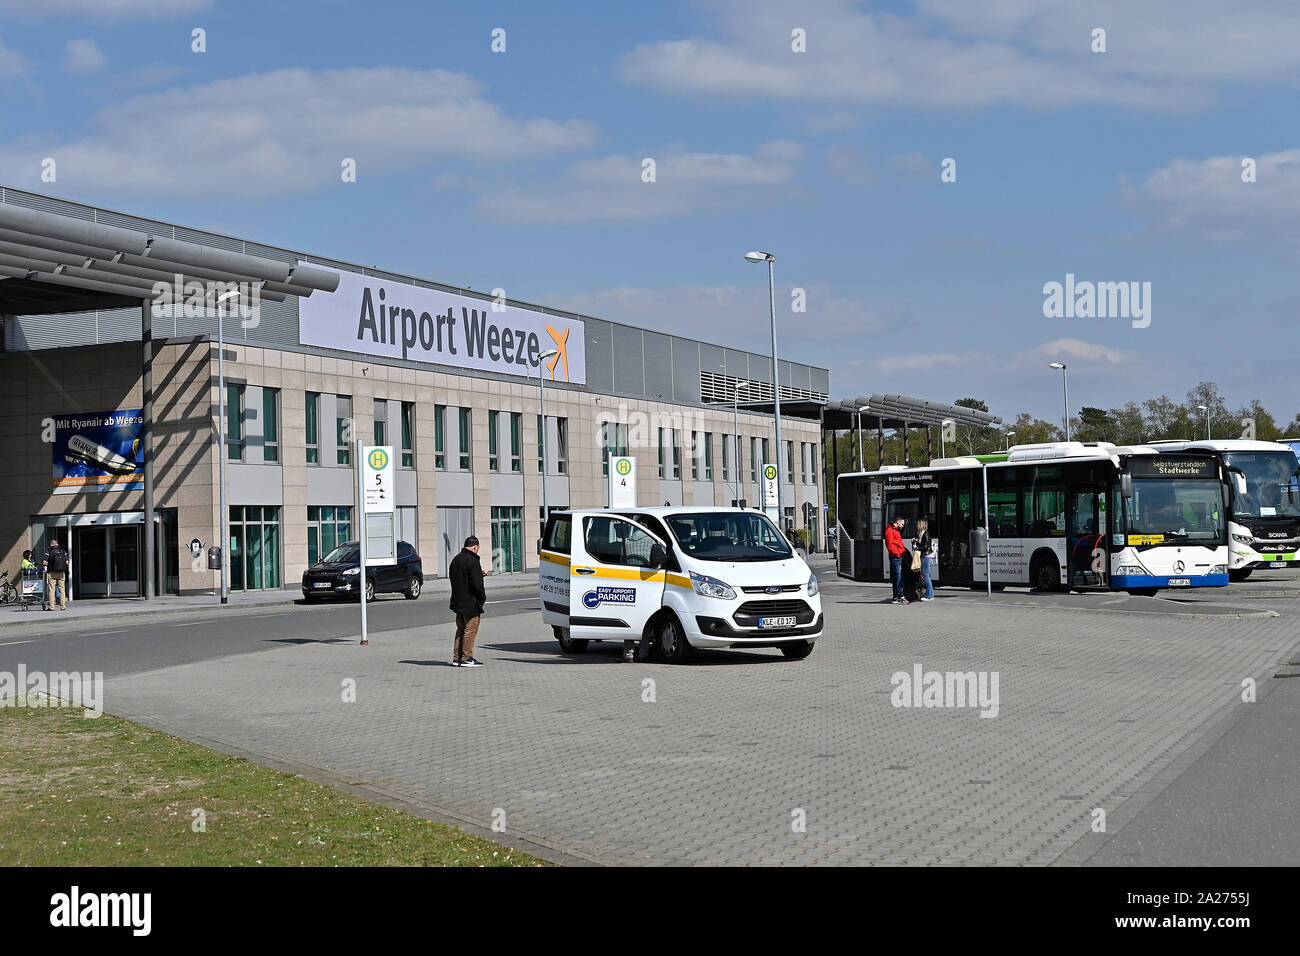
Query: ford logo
point(774, 590)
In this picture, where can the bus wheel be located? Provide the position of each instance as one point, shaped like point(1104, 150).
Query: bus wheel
point(797, 650)
point(1239, 574)
point(1143, 592)
point(568, 644)
point(1046, 575)
point(673, 646)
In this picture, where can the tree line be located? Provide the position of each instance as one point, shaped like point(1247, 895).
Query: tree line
point(1205, 410)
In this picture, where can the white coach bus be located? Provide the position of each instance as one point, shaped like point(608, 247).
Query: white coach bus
point(1263, 503)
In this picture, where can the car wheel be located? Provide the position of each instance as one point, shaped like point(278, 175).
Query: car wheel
point(309, 598)
point(1239, 574)
point(569, 645)
point(673, 646)
point(412, 588)
point(797, 650)
point(370, 590)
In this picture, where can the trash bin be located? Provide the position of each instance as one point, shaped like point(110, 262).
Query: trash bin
point(214, 559)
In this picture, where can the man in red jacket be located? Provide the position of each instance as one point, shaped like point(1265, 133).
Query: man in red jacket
point(894, 543)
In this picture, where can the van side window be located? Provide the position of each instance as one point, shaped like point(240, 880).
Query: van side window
point(557, 534)
point(612, 540)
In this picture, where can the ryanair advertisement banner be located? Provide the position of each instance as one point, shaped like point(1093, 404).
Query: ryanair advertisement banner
point(98, 450)
point(385, 318)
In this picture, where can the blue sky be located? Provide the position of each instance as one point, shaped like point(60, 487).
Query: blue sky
point(522, 169)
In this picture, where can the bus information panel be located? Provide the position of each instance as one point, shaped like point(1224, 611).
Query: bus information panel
point(1172, 466)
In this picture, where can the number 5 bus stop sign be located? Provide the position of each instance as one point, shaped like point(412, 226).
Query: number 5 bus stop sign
point(379, 500)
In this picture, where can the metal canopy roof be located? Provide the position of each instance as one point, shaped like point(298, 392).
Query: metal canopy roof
point(51, 263)
point(899, 411)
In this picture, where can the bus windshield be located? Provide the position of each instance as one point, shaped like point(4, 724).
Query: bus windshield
point(1270, 484)
point(1173, 509)
point(729, 536)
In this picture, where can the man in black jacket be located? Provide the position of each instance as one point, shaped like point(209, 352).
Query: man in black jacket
point(467, 599)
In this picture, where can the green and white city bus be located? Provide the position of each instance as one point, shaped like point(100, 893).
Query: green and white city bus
point(1263, 503)
point(1063, 515)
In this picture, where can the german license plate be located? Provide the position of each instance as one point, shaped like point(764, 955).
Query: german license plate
point(1180, 582)
point(776, 622)
point(320, 584)
point(1277, 564)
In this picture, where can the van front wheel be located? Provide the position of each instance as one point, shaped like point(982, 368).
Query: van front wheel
point(673, 646)
point(797, 650)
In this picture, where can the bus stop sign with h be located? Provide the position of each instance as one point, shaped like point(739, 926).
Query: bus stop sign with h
point(377, 534)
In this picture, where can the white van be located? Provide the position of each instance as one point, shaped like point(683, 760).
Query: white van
point(679, 577)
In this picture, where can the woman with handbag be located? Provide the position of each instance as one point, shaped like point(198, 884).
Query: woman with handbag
point(921, 546)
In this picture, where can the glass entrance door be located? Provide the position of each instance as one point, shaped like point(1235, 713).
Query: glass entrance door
point(106, 562)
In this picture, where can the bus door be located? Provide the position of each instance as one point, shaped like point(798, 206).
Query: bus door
point(873, 552)
point(1086, 543)
point(953, 534)
point(908, 507)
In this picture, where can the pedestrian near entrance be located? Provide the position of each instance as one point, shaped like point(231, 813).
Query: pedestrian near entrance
point(894, 544)
point(467, 600)
point(56, 575)
point(921, 545)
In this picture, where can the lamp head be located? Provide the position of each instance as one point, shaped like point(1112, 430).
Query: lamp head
point(548, 353)
point(1059, 365)
point(759, 256)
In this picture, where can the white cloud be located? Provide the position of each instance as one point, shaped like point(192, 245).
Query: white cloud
point(72, 10)
point(83, 56)
point(1207, 197)
point(12, 62)
point(611, 188)
point(288, 132)
point(1081, 351)
point(962, 54)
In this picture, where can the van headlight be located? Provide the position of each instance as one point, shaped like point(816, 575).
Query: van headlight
point(1243, 539)
point(711, 587)
point(813, 586)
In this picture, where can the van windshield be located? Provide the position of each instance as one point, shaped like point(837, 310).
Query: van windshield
point(729, 536)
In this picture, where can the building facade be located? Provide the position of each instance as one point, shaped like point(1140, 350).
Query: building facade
point(448, 377)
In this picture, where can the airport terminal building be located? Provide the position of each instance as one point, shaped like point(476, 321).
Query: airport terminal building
point(94, 383)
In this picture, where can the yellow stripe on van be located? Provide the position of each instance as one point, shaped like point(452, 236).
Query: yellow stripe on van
point(555, 558)
point(628, 574)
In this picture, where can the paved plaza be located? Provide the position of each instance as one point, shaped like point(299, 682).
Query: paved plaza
point(720, 760)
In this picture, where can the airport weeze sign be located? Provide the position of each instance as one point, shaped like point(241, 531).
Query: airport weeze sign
point(385, 318)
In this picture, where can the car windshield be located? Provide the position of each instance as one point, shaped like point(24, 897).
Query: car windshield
point(729, 536)
point(1270, 484)
point(343, 554)
point(1176, 509)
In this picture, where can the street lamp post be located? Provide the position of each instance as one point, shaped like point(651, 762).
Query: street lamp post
point(861, 466)
point(776, 382)
point(1065, 379)
point(221, 448)
point(1206, 409)
point(541, 391)
point(943, 427)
